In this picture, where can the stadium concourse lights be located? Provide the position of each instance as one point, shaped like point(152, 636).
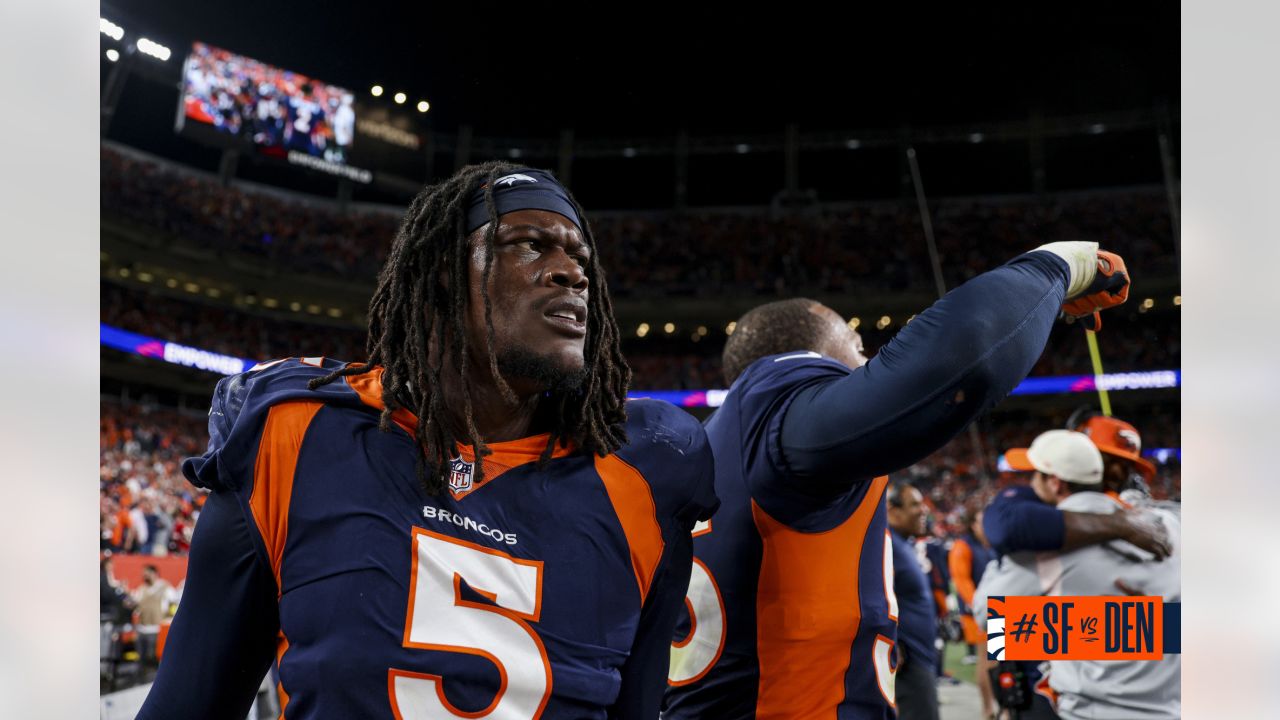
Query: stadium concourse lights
point(1177, 300)
point(376, 91)
point(154, 49)
point(400, 98)
point(642, 330)
point(883, 322)
point(423, 106)
point(728, 329)
point(113, 54)
point(669, 328)
point(110, 29)
point(854, 323)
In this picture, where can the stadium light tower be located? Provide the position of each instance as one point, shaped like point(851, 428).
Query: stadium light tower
point(423, 106)
point(376, 91)
point(400, 98)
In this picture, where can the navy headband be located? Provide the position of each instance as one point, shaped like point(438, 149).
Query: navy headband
point(523, 189)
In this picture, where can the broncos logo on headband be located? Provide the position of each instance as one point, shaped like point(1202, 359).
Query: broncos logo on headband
point(513, 179)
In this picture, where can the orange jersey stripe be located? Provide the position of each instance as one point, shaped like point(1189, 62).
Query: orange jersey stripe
point(369, 387)
point(507, 455)
point(503, 455)
point(633, 502)
point(808, 612)
point(273, 474)
point(282, 645)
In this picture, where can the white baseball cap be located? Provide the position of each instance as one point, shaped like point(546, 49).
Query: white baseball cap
point(1070, 455)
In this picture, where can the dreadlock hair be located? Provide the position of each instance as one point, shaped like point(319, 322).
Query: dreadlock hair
point(411, 308)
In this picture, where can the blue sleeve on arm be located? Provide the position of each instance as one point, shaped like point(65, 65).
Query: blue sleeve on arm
point(223, 636)
point(644, 675)
point(955, 360)
point(1017, 525)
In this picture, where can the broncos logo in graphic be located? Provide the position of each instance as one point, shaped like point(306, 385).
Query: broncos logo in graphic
point(995, 628)
point(513, 179)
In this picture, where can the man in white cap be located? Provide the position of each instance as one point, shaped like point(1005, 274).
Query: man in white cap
point(1068, 471)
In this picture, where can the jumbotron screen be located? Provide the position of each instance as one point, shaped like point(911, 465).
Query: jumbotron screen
point(273, 108)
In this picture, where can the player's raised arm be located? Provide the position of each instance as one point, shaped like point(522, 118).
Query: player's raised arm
point(956, 359)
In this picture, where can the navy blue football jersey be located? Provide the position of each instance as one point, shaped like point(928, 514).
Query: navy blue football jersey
point(791, 601)
point(545, 592)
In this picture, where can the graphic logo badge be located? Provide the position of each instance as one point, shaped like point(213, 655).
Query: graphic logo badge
point(514, 179)
point(460, 475)
point(995, 627)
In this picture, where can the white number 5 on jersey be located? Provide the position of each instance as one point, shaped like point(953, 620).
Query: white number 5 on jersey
point(693, 656)
point(440, 619)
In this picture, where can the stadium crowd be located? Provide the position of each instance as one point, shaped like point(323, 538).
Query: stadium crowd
point(869, 247)
point(146, 506)
point(1129, 342)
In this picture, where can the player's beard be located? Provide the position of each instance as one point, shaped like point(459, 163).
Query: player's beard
point(523, 363)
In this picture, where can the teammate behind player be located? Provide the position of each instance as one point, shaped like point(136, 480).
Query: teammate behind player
point(471, 521)
point(792, 609)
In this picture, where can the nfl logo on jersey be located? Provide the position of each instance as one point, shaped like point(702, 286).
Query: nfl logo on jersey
point(460, 475)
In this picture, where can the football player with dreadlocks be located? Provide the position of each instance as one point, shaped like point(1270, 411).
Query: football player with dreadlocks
point(471, 522)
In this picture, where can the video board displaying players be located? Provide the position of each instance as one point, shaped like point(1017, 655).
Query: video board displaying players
point(273, 108)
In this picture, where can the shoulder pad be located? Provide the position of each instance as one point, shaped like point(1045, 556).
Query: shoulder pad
point(240, 404)
point(669, 447)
